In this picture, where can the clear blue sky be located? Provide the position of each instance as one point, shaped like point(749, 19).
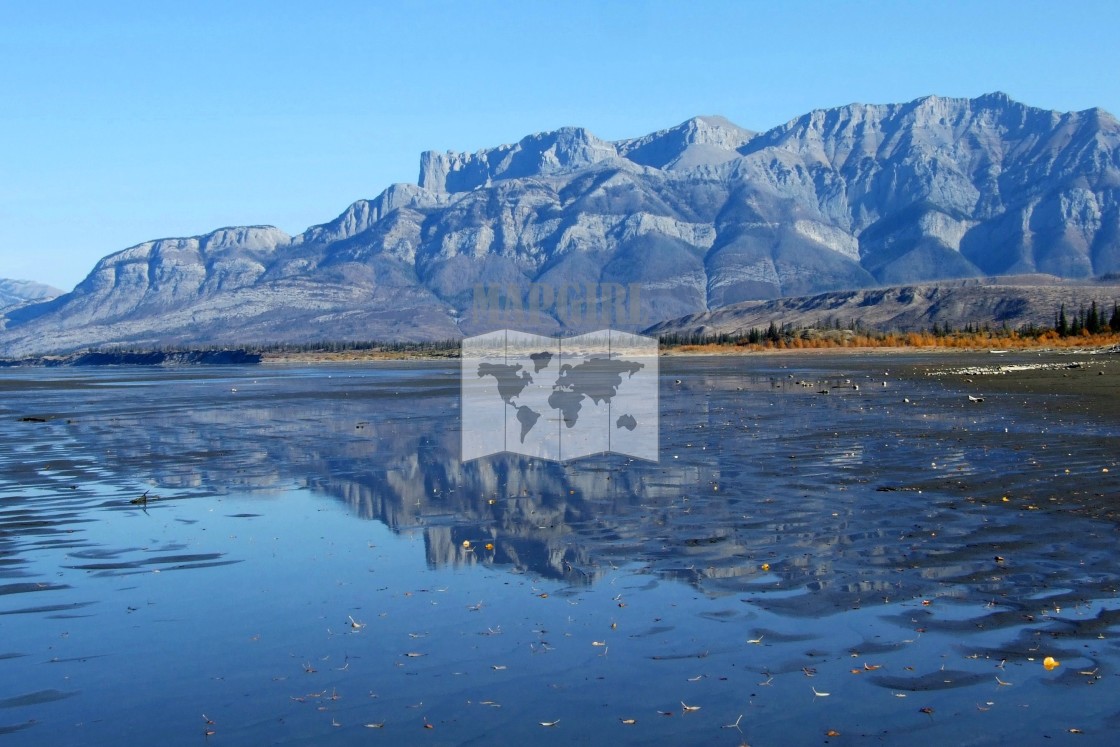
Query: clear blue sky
point(123, 121)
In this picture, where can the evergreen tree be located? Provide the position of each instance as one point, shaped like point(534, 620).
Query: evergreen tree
point(1092, 320)
point(1114, 323)
point(1063, 323)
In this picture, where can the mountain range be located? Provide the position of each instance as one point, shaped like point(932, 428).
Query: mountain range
point(680, 222)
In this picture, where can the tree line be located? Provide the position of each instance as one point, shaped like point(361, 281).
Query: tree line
point(1093, 320)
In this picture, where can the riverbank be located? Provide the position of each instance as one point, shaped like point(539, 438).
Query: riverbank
point(1106, 346)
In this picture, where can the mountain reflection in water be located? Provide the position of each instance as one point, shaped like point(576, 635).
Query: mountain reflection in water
point(852, 496)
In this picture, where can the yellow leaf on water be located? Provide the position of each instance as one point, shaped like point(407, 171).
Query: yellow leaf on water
point(1051, 663)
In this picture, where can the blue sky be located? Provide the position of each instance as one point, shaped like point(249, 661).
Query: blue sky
point(123, 122)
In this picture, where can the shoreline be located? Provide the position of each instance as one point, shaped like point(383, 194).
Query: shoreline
point(715, 351)
point(241, 356)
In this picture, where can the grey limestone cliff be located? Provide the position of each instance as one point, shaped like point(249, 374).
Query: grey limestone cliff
point(695, 217)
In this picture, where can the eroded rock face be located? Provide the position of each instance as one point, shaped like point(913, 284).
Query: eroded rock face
point(1015, 301)
point(697, 217)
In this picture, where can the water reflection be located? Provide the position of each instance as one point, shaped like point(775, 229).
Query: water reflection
point(901, 487)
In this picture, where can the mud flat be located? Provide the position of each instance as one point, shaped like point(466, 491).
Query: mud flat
point(1073, 382)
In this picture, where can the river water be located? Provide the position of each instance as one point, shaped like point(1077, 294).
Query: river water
point(312, 563)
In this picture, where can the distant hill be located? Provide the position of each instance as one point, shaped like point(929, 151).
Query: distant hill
point(1014, 301)
point(695, 217)
point(21, 292)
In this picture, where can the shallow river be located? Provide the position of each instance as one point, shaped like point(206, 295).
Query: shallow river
point(312, 563)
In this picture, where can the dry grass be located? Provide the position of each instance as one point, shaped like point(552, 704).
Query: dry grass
point(357, 356)
point(920, 340)
point(803, 340)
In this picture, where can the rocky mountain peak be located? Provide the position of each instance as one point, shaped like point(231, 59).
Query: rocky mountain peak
point(542, 154)
point(698, 141)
